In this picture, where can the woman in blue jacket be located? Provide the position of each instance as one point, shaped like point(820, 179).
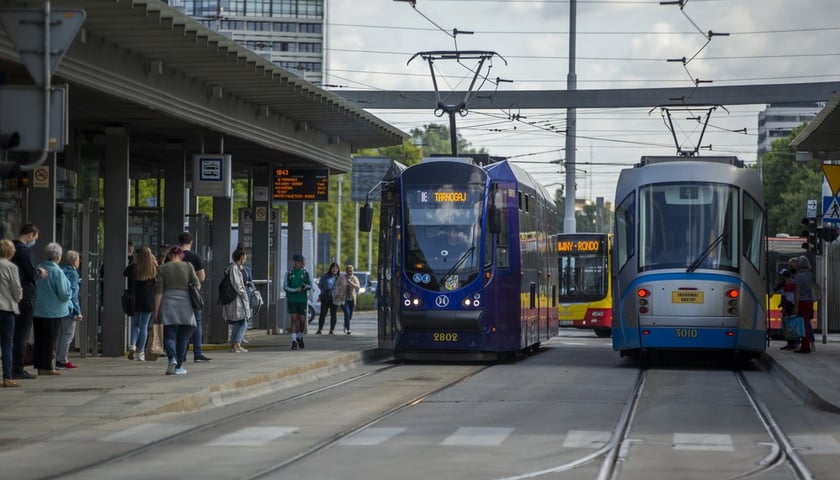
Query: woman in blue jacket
point(53, 304)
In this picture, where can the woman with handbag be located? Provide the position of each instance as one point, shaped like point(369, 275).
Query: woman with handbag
point(173, 307)
point(142, 277)
point(237, 312)
point(327, 286)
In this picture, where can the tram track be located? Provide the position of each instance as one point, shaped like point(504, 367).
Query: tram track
point(163, 442)
point(217, 423)
point(616, 451)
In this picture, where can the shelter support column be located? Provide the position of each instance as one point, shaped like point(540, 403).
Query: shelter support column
point(42, 205)
point(260, 255)
point(295, 227)
point(116, 196)
point(174, 209)
point(216, 329)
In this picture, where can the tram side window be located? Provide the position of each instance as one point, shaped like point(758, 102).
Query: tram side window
point(753, 229)
point(503, 238)
point(625, 230)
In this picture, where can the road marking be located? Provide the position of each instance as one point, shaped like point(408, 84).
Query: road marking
point(703, 442)
point(586, 439)
point(252, 436)
point(478, 436)
point(372, 436)
point(146, 433)
point(815, 444)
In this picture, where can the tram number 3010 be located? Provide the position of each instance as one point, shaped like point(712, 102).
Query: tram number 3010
point(445, 337)
point(686, 332)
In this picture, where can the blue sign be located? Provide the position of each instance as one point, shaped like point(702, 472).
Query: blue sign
point(831, 211)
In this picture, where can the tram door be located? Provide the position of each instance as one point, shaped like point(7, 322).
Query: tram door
point(387, 291)
point(77, 228)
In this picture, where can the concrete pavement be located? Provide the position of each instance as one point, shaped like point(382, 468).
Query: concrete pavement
point(107, 389)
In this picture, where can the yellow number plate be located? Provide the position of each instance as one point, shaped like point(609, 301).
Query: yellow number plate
point(445, 337)
point(681, 296)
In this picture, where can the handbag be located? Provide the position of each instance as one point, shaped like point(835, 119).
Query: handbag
point(196, 299)
point(128, 302)
point(156, 344)
point(793, 327)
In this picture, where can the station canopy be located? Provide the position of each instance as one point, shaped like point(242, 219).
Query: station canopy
point(175, 84)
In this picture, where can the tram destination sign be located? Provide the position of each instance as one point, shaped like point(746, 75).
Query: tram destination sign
point(311, 185)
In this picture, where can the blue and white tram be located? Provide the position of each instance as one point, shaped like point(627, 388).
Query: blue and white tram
point(466, 261)
point(688, 257)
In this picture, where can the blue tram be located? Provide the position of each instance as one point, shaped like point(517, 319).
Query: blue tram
point(688, 257)
point(466, 260)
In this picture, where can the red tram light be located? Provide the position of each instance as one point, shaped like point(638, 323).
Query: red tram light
point(732, 293)
point(643, 293)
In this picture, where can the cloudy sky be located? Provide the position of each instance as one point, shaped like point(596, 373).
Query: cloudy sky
point(620, 44)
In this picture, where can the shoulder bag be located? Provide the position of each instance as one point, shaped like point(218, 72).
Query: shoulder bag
point(196, 299)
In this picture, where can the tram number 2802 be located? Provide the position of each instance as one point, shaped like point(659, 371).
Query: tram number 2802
point(445, 337)
point(686, 332)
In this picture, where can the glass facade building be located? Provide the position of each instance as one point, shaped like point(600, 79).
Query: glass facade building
point(289, 33)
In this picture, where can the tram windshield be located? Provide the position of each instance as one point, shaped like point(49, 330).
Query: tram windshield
point(442, 234)
point(688, 225)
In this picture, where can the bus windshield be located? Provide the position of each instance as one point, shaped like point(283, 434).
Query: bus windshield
point(442, 234)
point(584, 267)
point(688, 225)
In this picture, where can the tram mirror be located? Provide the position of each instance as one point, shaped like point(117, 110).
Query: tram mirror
point(494, 218)
point(365, 218)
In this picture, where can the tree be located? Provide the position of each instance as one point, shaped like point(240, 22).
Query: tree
point(434, 138)
point(788, 185)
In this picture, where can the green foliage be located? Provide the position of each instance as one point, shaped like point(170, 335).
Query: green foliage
point(788, 185)
point(435, 139)
point(408, 153)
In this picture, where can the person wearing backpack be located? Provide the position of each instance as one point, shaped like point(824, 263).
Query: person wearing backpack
point(297, 286)
point(237, 312)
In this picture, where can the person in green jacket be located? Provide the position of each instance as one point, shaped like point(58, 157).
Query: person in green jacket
point(297, 286)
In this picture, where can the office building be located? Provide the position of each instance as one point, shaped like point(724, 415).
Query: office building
point(289, 33)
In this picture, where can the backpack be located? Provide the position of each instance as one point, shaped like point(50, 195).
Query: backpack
point(227, 294)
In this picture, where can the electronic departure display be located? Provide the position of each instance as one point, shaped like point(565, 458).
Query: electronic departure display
point(311, 185)
point(581, 246)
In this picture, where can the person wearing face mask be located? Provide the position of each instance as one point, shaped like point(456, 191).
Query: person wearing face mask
point(25, 261)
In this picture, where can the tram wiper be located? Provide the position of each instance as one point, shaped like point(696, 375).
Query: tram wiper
point(457, 264)
point(696, 263)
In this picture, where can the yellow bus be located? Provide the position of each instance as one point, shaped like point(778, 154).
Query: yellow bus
point(585, 290)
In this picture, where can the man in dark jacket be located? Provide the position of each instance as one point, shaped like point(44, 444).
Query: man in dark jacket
point(25, 262)
point(186, 241)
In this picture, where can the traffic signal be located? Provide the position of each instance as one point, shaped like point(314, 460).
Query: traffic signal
point(829, 234)
point(9, 140)
point(812, 239)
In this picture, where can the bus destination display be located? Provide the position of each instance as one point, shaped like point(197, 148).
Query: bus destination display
point(579, 246)
point(301, 184)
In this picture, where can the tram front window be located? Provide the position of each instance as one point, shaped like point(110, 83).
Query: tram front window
point(691, 226)
point(442, 235)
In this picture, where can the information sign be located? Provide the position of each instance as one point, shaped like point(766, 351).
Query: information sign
point(311, 185)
